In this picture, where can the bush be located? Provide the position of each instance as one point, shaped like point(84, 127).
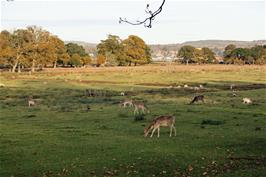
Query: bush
point(139, 117)
point(212, 122)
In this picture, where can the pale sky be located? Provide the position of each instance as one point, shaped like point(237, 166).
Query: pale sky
point(180, 21)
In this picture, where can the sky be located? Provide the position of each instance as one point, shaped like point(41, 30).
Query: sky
point(180, 21)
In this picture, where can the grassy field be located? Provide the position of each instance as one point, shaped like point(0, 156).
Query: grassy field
point(60, 137)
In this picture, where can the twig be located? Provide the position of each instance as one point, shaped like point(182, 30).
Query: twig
point(147, 21)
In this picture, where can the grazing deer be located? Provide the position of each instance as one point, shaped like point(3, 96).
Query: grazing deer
point(126, 103)
point(232, 86)
point(247, 101)
point(234, 93)
point(140, 107)
point(164, 121)
point(196, 88)
point(122, 94)
point(197, 98)
point(31, 102)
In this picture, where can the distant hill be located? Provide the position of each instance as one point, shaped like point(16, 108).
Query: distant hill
point(216, 45)
point(89, 47)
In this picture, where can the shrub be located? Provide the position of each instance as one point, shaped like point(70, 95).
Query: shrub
point(139, 117)
point(211, 122)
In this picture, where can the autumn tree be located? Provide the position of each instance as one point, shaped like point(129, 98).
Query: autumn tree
point(207, 55)
point(85, 60)
point(18, 46)
point(228, 58)
point(75, 60)
point(39, 51)
point(77, 54)
point(100, 60)
point(136, 51)
point(258, 53)
point(59, 51)
point(112, 49)
point(7, 52)
point(187, 53)
point(73, 48)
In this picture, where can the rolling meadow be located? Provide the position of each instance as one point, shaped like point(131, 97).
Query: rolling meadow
point(68, 133)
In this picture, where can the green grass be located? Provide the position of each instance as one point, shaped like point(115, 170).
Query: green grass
point(60, 137)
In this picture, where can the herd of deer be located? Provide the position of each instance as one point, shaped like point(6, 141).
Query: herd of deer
point(160, 121)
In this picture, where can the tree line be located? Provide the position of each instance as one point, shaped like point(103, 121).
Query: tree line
point(253, 55)
point(231, 55)
point(35, 48)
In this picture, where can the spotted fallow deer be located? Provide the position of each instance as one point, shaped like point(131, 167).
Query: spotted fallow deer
point(140, 107)
point(31, 102)
point(247, 101)
point(127, 103)
point(164, 121)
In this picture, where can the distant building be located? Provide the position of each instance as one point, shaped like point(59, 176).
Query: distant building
point(161, 55)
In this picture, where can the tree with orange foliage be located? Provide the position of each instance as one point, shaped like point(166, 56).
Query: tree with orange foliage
point(100, 60)
point(136, 50)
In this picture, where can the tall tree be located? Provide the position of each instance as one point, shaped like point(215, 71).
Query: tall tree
point(136, 50)
point(58, 49)
point(7, 53)
point(228, 58)
point(258, 53)
point(73, 48)
point(75, 60)
point(19, 42)
point(187, 53)
point(39, 50)
point(85, 60)
point(207, 55)
point(112, 49)
point(100, 60)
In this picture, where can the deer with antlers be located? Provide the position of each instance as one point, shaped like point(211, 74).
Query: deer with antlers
point(164, 121)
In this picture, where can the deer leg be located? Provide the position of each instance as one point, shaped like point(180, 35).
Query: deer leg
point(171, 128)
point(143, 110)
point(153, 131)
point(135, 111)
point(158, 132)
point(174, 129)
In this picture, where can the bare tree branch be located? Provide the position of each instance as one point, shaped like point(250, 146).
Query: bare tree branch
point(147, 21)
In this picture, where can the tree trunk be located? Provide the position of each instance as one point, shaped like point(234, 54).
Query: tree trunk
point(55, 64)
point(19, 68)
point(33, 66)
point(14, 67)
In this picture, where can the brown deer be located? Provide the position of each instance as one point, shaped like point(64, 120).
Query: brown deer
point(197, 98)
point(127, 103)
point(247, 101)
point(140, 107)
point(164, 121)
point(31, 102)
